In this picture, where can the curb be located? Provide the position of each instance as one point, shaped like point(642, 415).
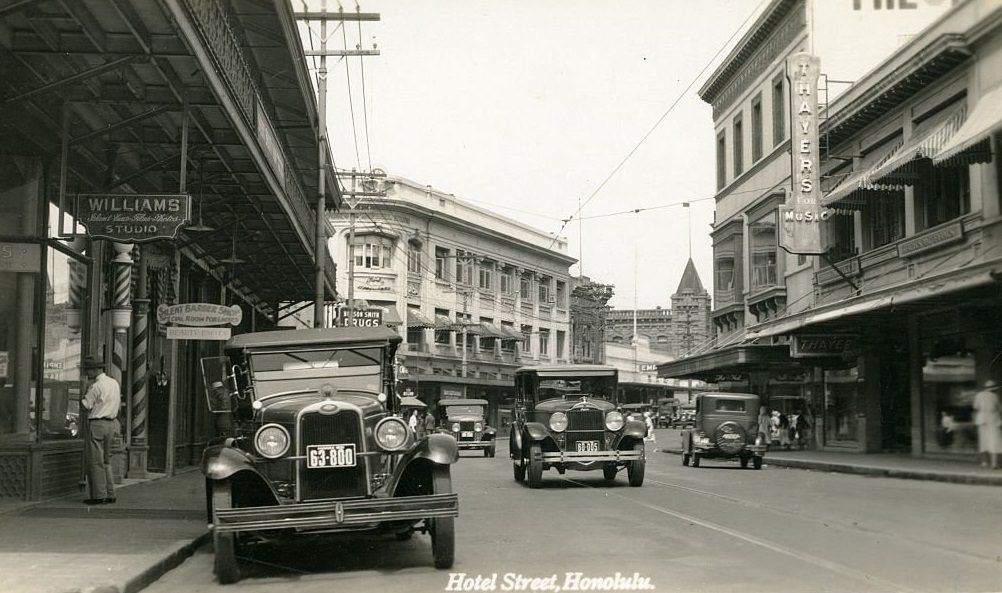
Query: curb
point(178, 554)
point(869, 470)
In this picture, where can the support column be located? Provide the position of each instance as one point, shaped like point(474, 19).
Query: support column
point(121, 318)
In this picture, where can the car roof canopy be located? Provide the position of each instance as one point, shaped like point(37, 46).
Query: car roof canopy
point(332, 336)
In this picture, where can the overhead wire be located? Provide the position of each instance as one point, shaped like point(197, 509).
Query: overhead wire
point(658, 122)
point(365, 102)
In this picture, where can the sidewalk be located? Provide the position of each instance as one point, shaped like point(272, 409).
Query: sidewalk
point(890, 465)
point(64, 546)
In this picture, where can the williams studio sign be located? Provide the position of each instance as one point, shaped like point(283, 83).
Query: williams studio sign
point(133, 218)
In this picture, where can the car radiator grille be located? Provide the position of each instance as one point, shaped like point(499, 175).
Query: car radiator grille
point(466, 426)
point(585, 425)
point(322, 429)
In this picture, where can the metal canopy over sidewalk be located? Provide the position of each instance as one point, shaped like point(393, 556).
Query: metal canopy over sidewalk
point(129, 84)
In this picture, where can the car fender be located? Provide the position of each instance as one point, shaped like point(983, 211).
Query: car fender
point(222, 460)
point(634, 429)
point(686, 441)
point(515, 443)
point(437, 449)
point(490, 433)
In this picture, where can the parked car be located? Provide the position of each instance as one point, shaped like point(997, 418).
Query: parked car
point(567, 418)
point(465, 420)
point(317, 445)
point(725, 426)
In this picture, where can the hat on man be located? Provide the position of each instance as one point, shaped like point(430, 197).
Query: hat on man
point(93, 362)
point(990, 384)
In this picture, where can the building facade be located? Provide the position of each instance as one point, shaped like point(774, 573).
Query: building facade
point(889, 331)
point(477, 295)
point(589, 317)
point(131, 187)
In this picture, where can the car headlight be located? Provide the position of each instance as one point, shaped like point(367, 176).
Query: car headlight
point(614, 421)
point(272, 441)
point(558, 422)
point(392, 434)
point(455, 427)
point(478, 427)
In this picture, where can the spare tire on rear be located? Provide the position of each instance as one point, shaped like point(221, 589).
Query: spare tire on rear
point(730, 438)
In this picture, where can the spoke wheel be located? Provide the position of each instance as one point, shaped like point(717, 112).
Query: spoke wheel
point(636, 469)
point(535, 465)
point(225, 563)
point(443, 529)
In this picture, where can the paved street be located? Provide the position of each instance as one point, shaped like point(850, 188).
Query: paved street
point(714, 528)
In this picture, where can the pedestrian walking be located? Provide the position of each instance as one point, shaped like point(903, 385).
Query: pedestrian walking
point(988, 419)
point(103, 401)
point(764, 426)
point(413, 421)
point(429, 422)
point(649, 423)
point(784, 431)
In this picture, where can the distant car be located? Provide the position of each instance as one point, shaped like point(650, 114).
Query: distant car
point(314, 443)
point(725, 426)
point(465, 420)
point(567, 418)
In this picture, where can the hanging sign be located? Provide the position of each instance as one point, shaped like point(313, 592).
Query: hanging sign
point(199, 314)
point(802, 215)
point(355, 318)
point(20, 257)
point(133, 218)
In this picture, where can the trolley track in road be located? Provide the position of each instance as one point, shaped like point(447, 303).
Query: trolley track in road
point(774, 546)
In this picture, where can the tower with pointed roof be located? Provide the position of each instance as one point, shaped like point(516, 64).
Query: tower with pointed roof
point(690, 306)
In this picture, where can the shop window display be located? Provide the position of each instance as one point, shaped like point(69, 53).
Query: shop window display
point(840, 405)
point(948, 389)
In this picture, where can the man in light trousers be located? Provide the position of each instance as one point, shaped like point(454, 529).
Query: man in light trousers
point(103, 400)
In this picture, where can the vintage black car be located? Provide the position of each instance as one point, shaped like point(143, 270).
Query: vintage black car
point(314, 444)
point(725, 426)
point(567, 418)
point(465, 419)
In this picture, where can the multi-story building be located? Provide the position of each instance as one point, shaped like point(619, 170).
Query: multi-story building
point(476, 295)
point(672, 331)
point(589, 311)
point(891, 326)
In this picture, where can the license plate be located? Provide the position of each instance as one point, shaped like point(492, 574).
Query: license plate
point(321, 456)
point(467, 434)
point(587, 445)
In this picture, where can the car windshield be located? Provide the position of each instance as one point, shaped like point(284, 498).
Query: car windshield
point(464, 411)
point(289, 370)
point(573, 387)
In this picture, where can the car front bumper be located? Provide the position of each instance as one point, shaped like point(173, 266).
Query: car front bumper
point(591, 456)
point(336, 513)
point(474, 444)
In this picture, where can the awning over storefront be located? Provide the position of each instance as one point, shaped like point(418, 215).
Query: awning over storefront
point(416, 319)
point(442, 322)
point(863, 179)
point(972, 142)
point(740, 358)
point(489, 330)
point(929, 289)
point(391, 317)
point(511, 333)
point(901, 167)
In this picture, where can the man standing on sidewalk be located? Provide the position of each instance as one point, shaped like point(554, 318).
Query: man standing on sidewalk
point(103, 400)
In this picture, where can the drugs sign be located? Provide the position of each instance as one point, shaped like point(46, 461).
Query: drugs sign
point(369, 318)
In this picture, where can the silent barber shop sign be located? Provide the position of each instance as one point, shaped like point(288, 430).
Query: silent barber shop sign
point(133, 218)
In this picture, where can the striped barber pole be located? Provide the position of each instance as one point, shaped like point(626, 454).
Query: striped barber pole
point(140, 371)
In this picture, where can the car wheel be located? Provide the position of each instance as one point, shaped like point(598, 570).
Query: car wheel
point(635, 469)
point(492, 450)
point(757, 462)
point(519, 470)
point(685, 459)
point(487, 452)
point(744, 462)
point(443, 529)
point(535, 465)
point(695, 460)
point(609, 471)
point(224, 545)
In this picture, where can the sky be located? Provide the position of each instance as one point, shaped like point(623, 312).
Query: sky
point(579, 118)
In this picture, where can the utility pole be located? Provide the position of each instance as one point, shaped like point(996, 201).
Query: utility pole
point(320, 244)
point(352, 199)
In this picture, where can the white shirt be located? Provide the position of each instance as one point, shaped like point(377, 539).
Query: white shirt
point(104, 398)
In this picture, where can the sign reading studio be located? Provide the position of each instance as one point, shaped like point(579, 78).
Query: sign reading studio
point(133, 218)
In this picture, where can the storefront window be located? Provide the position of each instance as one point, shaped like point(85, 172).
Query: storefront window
point(60, 363)
point(948, 389)
point(840, 404)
